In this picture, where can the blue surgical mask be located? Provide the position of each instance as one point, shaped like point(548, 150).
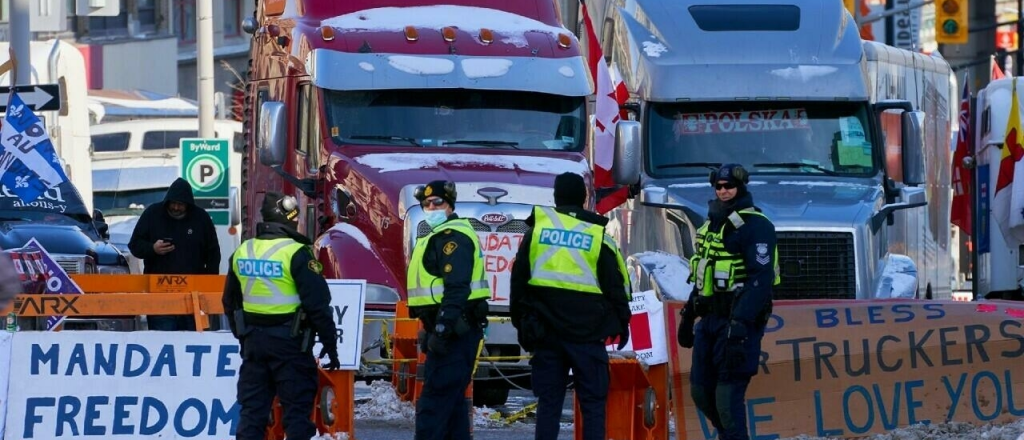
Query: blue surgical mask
point(435, 218)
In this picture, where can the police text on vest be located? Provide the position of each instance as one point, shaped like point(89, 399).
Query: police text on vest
point(563, 238)
point(260, 268)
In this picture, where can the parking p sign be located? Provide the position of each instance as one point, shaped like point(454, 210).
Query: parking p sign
point(204, 164)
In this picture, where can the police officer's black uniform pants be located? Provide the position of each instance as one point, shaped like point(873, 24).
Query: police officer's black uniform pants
point(551, 363)
point(442, 412)
point(272, 364)
point(718, 391)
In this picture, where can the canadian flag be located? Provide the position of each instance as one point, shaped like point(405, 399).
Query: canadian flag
point(960, 211)
point(611, 93)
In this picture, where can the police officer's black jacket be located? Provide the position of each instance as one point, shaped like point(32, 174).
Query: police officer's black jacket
point(312, 288)
point(567, 314)
point(756, 242)
point(196, 250)
point(456, 269)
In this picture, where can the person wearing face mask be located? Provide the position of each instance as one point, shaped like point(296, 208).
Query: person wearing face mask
point(734, 270)
point(447, 291)
point(176, 237)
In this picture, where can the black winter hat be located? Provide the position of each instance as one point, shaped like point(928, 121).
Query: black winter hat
point(570, 190)
point(279, 208)
point(733, 173)
point(439, 188)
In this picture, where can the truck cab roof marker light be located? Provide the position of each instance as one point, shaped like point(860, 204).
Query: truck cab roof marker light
point(564, 41)
point(327, 33)
point(486, 36)
point(411, 34)
point(448, 33)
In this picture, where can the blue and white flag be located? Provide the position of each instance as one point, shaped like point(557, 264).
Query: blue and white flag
point(29, 165)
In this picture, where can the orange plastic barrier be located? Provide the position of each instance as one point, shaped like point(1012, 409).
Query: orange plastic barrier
point(404, 353)
point(637, 406)
point(332, 412)
point(120, 295)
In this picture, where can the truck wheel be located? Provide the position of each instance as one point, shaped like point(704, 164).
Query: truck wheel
point(490, 393)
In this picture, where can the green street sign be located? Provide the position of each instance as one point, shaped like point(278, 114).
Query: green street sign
point(204, 164)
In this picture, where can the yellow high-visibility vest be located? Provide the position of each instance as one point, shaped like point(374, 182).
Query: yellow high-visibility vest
point(263, 268)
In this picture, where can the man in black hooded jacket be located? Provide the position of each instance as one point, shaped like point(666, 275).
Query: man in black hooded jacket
point(563, 311)
point(176, 237)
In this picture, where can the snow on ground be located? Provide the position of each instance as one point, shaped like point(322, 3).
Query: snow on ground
point(384, 404)
point(947, 431)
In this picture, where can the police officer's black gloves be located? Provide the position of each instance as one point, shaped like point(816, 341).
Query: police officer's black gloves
point(332, 352)
point(684, 335)
point(623, 338)
point(737, 331)
point(735, 353)
point(437, 344)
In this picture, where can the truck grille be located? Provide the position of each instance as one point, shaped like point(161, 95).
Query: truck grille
point(816, 265)
point(71, 266)
point(514, 226)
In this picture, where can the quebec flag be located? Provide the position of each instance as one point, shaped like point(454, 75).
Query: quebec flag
point(29, 165)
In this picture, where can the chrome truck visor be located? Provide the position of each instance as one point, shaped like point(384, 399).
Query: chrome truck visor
point(374, 71)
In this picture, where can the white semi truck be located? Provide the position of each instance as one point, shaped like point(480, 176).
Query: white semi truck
point(847, 141)
point(1000, 268)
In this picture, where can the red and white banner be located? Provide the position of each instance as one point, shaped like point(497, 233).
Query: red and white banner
point(740, 122)
point(646, 329)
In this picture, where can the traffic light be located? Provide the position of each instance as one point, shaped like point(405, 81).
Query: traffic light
point(951, 21)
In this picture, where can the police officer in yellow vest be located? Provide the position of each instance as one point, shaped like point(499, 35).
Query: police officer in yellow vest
point(278, 298)
point(447, 291)
point(569, 293)
point(732, 271)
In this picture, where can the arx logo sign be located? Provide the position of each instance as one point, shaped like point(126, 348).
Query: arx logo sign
point(41, 305)
point(494, 218)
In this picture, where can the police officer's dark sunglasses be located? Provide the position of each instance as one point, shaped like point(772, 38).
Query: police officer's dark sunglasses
point(435, 202)
point(727, 185)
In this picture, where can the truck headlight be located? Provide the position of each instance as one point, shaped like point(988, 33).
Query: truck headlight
point(113, 270)
point(381, 295)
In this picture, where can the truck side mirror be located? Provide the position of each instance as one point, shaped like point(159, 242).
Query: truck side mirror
point(234, 214)
point(914, 172)
point(626, 158)
point(272, 142)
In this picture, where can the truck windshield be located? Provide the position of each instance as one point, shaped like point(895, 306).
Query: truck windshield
point(457, 118)
point(826, 138)
point(127, 202)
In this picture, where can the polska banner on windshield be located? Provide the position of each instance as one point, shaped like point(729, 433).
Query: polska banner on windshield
point(29, 164)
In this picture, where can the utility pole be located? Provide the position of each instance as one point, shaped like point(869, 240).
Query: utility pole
point(21, 37)
point(204, 66)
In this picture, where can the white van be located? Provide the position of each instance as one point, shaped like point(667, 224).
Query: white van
point(134, 162)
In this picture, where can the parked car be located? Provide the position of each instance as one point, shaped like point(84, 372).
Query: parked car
point(59, 221)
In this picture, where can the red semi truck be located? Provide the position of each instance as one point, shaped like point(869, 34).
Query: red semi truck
point(352, 105)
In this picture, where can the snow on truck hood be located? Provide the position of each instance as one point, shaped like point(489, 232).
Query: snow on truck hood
point(512, 28)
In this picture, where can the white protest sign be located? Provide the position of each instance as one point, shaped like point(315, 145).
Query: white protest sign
point(646, 329)
point(92, 384)
point(499, 249)
point(348, 298)
point(6, 339)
